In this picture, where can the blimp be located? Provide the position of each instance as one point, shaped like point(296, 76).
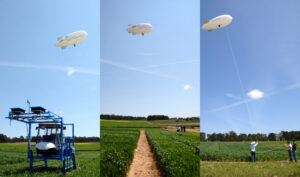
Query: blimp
point(142, 28)
point(71, 39)
point(217, 22)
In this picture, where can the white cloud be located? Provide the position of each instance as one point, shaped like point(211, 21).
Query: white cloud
point(255, 94)
point(186, 87)
point(71, 71)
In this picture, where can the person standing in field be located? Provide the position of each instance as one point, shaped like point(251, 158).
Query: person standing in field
point(177, 128)
point(294, 150)
point(290, 148)
point(253, 155)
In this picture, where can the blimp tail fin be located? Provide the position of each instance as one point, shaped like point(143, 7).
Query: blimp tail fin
point(63, 47)
point(59, 38)
point(206, 21)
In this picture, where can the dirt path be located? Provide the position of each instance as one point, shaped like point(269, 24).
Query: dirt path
point(143, 164)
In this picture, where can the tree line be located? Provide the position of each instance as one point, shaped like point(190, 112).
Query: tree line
point(120, 117)
point(148, 118)
point(233, 136)
point(6, 139)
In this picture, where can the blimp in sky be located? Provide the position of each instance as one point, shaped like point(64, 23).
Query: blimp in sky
point(71, 39)
point(142, 28)
point(217, 22)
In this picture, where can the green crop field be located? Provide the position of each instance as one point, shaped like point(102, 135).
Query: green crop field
point(127, 124)
point(175, 152)
point(238, 169)
point(177, 121)
point(240, 151)
point(193, 123)
point(116, 150)
point(232, 159)
point(14, 162)
point(147, 124)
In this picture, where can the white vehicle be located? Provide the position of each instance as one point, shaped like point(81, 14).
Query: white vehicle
point(142, 28)
point(217, 22)
point(71, 39)
point(48, 138)
point(45, 146)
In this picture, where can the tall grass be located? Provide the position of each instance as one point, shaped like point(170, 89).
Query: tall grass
point(176, 153)
point(240, 151)
point(116, 150)
point(238, 169)
point(127, 124)
point(14, 162)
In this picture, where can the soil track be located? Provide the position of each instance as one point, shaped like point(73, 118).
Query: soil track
point(143, 164)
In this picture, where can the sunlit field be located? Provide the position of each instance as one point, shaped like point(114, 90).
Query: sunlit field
point(14, 162)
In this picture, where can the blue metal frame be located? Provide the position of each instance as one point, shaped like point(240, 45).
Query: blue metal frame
point(67, 148)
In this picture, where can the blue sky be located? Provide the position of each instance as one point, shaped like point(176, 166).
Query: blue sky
point(158, 73)
point(263, 41)
point(67, 81)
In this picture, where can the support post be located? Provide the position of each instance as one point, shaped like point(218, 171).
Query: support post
point(31, 164)
point(61, 140)
point(73, 152)
point(74, 162)
point(46, 163)
point(29, 155)
point(64, 167)
point(73, 134)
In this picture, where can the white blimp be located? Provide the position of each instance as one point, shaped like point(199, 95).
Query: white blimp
point(71, 39)
point(217, 22)
point(142, 28)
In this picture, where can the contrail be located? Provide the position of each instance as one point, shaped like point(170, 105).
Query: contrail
point(68, 69)
point(172, 63)
point(238, 75)
point(238, 103)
